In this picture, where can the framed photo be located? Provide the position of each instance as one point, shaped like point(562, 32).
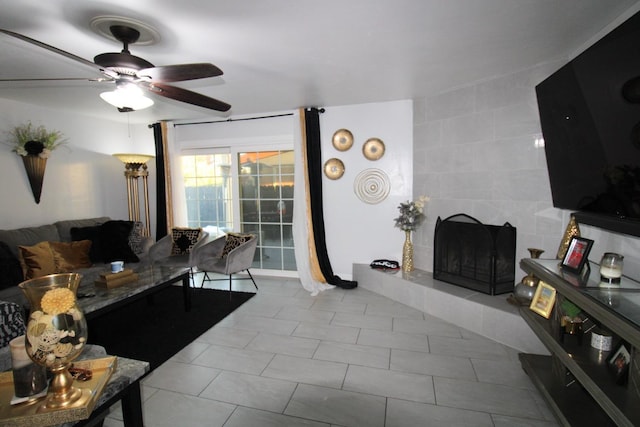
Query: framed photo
point(618, 363)
point(577, 254)
point(543, 299)
point(580, 280)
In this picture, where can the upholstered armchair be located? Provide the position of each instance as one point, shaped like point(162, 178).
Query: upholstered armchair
point(228, 255)
point(179, 249)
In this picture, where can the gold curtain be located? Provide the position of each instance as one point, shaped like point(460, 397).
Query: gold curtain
point(314, 266)
point(167, 176)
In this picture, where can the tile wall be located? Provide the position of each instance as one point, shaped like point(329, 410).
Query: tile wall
point(477, 151)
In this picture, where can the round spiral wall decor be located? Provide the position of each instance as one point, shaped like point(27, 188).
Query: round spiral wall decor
point(372, 186)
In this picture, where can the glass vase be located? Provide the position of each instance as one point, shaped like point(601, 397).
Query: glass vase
point(525, 290)
point(56, 334)
point(407, 252)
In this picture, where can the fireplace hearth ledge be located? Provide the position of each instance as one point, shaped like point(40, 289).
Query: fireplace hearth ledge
point(490, 316)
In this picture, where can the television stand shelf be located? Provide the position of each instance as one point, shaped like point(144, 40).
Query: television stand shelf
point(575, 379)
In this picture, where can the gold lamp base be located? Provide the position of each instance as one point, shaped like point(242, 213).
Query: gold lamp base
point(136, 167)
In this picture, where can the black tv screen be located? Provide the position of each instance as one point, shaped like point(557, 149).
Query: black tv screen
point(590, 117)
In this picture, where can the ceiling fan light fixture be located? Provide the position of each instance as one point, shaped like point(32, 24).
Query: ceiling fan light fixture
point(127, 97)
point(123, 68)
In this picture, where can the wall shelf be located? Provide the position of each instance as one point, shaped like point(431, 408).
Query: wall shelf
point(575, 379)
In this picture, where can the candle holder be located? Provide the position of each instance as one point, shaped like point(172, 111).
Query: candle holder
point(611, 268)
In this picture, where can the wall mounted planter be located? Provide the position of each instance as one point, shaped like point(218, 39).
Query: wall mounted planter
point(35, 166)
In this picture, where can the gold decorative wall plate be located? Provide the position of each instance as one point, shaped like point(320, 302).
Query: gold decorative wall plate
point(342, 139)
point(334, 168)
point(373, 148)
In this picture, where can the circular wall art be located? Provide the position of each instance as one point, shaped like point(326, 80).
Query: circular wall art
point(373, 148)
point(372, 186)
point(334, 168)
point(342, 139)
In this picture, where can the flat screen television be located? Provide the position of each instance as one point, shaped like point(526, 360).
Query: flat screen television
point(590, 117)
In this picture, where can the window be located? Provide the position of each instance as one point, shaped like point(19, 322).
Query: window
point(208, 191)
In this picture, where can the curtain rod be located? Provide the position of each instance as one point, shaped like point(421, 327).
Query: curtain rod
point(233, 120)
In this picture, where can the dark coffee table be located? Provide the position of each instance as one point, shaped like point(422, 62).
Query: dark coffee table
point(95, 301)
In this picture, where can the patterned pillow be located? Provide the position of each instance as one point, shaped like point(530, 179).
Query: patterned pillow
point(232, 241)
point(184, 239)
point(11, 322)
point(135, 238)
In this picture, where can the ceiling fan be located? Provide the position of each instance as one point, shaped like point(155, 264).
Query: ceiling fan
point(133, 75)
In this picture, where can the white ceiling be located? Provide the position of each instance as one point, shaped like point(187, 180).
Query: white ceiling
point(283, 54)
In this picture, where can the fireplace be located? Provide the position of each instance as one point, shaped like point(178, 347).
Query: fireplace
point(474, 255)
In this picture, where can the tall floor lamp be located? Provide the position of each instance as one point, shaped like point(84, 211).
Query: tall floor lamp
point(136, 167)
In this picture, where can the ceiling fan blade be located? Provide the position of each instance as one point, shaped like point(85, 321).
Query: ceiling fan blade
point(84, 79)
point(51, 48)
point(187, 96)
point(178, 73)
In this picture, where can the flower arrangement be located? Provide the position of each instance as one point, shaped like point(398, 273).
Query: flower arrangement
point(54, 333)
point(35, 140)
point(411, 214)
point(58, 300)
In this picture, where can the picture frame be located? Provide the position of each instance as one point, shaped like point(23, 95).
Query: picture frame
point(580, 280)
point(577, 254)
point(543, 300)
point(618, 363)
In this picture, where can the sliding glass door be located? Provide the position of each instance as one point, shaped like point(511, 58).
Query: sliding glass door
point(245, 190)
point(266, 205)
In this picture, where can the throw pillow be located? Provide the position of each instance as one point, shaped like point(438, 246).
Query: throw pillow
point(37, 260)
point(184, 239)
point(89, 233)
point(135, 238)
point(232, 241)
point(114, 240)
point(70, 256)
point(11, 322)
point(10, 270)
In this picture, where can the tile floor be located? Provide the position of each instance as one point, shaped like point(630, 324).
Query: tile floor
point(343, 358)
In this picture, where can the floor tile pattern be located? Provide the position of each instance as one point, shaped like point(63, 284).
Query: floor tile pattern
point(344, 358)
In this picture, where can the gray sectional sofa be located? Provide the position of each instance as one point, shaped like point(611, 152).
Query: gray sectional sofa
point(110, 237)
point(110, 241)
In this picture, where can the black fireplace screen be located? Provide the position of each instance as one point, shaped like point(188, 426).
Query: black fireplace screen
point(474, 255)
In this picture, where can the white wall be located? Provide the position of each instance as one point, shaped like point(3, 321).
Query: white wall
point(82, 179)
point(475, 152)
point(357, 232)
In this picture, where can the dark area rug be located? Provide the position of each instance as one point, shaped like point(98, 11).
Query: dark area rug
point(156, 330)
